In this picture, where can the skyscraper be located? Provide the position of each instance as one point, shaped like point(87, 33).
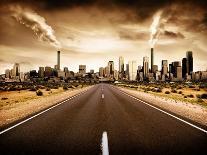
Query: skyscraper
point(82, 69)
point(174, 66)
point(65, 69)
point(132, 70)
point(152, 58)
point(58, 60)
point(41, 72)
point(154, 69)
point(189, 58)
point(179, 73)
point(101, 72)
point(16, 70)
point(145, 66)
point(111, 67)
point(164, 67)
point(121, 64)
point(106, 71)
point(184, 67)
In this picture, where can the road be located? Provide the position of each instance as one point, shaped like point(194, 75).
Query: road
point(76, 127)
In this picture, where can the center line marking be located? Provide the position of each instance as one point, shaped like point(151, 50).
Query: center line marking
point(102, 96)
point(104, 144)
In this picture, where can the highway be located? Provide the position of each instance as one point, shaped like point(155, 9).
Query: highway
point(103, 117)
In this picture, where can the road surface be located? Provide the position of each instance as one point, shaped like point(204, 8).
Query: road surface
point(77, 127)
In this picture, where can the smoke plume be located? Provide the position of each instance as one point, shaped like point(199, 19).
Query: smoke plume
point(156, 28)
point(36, 23)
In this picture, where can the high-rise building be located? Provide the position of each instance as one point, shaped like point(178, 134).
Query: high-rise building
point(139, 69)
point(189, 58)
point(7, 73)
point(82, 69)
point(92, 71)
point(127, 71)
point(164, 67)
point(65, 69)
point(184, 67)
point(152, 58)
point(121, 64)
point(175, 64)
point(145, 66)
point(116, 75)
point(154, 69)
point(106, 71)
point(48, 71)
point(132, 70)
point(16, 70)
point(111, 67)
point(101, 72)
point(58, 60)
point(41, 72)
point(179, 73)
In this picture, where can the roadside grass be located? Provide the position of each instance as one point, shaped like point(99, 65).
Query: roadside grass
point(186, 95)
point(9, 99)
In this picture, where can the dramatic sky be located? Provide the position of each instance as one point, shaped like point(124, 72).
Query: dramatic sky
point(92, 32)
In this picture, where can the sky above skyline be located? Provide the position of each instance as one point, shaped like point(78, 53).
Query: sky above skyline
point(92, 32)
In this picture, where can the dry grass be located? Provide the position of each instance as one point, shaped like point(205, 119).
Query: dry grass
point(24, 103)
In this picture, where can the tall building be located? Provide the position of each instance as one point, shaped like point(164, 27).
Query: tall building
point(154, 69)
point(145, 66)
point(132, 70)
point(111, 67)
point(152, 58)
point(101, 72)
point(82, 69)
point(116, 75)
point(48, 71)
point(65, 69)
point(184, 67)
point(164, 67)
point(41, 72)
point(58, 60)
point(16, 70)
point(189, 58)
point(7, 73)
point(121, 64)
point(92, 71)
point(179, 73)
point(174, 65)
point(106, 71)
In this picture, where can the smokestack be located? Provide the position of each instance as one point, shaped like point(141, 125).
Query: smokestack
point(58, 60)
point(152, 58)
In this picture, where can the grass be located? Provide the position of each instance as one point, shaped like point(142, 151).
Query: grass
point(185, 94)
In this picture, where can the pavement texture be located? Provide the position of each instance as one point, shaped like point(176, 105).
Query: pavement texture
point(76, 127)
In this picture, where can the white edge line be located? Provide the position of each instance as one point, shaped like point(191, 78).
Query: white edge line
point(182, 120)
point(26, 120)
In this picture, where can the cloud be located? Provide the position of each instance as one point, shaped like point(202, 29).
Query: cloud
point(176, 35)
point(126, 35)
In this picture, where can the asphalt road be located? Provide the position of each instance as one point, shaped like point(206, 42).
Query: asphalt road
point(76, 127)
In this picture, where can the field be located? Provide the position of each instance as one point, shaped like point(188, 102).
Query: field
point(15, 105)
point(190, 94)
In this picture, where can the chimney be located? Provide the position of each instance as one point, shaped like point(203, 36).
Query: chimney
point(152, 58)
point(58, 60)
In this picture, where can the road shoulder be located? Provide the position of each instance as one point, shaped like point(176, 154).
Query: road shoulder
point(192, 112)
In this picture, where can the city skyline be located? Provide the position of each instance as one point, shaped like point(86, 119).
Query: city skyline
point(84, 37)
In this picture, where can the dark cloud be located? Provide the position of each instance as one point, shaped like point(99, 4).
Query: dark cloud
point(133, 35)
point(141, 9)
point(176, 35)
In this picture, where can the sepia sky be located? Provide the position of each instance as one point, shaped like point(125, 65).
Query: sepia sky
point(92, 32)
